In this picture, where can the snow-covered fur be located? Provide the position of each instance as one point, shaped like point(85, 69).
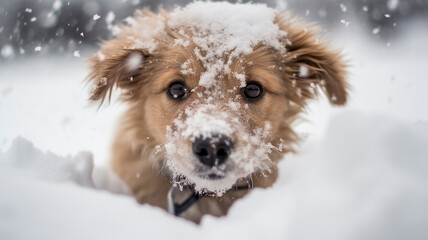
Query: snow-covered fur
point(215, 49)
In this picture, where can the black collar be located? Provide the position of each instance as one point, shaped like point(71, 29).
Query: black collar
point(178, 208)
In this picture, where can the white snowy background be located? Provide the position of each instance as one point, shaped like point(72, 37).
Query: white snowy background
point(361, 171)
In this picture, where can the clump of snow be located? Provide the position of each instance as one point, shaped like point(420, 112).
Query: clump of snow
point(303, 71)
point(217, 28)
point(186, 68)
point(101, 56)
point(148, 28)
point(241, 78)
point(223, 29)
point(103, 81)
point(133, 62)
point(182, 42)
point(38, 48)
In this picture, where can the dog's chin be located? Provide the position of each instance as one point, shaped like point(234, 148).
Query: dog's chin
point(212, 183)
point(212, 176)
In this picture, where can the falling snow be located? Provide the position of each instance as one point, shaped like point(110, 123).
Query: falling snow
point(343, 7)
point(376, 30)
point(345, 22)
point(57, 5)
point(76, 54)
point(7, 51)
point(392, 4)
point(110, 17)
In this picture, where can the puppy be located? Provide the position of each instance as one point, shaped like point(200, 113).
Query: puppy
point(212, 90)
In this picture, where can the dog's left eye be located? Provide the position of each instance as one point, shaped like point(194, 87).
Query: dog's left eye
point(253, 91)
point(177, 90)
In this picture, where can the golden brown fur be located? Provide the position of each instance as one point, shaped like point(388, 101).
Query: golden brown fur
point(144, 124)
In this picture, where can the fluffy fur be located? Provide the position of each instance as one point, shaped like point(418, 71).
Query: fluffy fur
point(139, 157)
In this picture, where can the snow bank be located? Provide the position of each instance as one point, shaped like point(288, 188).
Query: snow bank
point(23, 157)
point(365, 179)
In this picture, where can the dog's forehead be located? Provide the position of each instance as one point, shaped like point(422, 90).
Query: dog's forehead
point(261, 65)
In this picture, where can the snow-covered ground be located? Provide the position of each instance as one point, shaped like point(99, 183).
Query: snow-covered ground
point(361, 172)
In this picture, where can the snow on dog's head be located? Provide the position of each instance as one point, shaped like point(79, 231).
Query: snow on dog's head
point(216, 87)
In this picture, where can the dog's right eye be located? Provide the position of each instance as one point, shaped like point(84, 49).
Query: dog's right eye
point(177, 90)
point(252, 92)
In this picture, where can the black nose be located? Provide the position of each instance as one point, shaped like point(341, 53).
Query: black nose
point(213, 150)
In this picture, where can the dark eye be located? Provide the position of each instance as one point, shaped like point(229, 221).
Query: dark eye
point(177, 90)
point(252, 91)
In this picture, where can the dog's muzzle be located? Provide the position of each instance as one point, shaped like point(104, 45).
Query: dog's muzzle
point(213, 150)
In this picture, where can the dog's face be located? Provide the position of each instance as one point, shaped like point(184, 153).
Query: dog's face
point(215, 135)
point(216, 113)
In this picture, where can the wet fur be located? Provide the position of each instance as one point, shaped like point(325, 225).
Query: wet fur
point(143, 126)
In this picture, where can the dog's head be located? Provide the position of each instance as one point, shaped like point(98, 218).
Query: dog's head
point(215, 90)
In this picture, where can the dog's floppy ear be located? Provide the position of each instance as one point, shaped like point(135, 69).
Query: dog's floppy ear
point(115, 66)
point(311, 63)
